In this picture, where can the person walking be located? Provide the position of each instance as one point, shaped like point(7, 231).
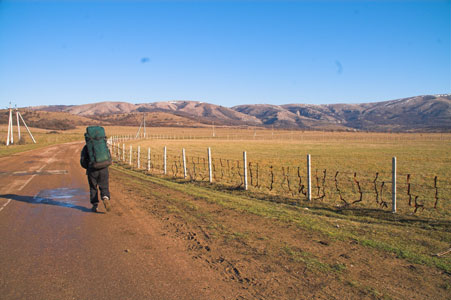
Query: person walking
point(96, 158)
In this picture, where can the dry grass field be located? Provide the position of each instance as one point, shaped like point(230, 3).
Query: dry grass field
point(279, 158)
point(277, 162)
point(43, 137)
point(410, 235)
point(276, 219)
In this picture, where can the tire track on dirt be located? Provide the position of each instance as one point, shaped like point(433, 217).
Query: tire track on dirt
point(128, 206)
point(271, 259)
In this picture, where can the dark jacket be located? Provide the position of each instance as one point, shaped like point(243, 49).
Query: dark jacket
point(84, 158)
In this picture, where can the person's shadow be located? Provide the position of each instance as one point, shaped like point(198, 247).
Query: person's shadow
point(47, 201)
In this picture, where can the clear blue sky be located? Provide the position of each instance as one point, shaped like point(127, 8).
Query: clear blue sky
point(223, 52)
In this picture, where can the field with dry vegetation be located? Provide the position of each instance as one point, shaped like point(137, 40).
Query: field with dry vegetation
point(348, 169)
point(270, 239)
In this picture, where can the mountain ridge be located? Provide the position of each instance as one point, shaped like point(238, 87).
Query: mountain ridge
point(418, 113)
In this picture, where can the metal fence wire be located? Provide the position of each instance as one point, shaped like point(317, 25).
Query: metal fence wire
point(413, 193)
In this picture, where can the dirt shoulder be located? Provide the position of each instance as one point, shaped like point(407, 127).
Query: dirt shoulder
point(272, 258)
point(54, 247)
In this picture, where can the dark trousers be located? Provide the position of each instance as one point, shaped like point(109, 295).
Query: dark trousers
point(98, 178)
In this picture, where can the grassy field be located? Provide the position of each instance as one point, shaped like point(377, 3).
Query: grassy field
point(43, 138)
point(282, 165)
point(413, 237)
point(279, 158)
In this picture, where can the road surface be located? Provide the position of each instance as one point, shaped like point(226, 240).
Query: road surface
point(53, 247)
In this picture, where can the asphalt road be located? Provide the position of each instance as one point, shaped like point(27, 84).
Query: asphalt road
point(53, 247)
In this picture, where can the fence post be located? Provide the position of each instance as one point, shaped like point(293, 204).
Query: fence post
point(165, 161)
point(309, 177)
point(210, 177)
point(148, 159)
point(184, 163)
point(139, 156)
point(131, 152)
point(123, 152)
point(393, 209)
point(245, 170)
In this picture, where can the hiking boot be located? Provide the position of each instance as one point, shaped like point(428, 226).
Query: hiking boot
point(106, 203)
point(94, 208)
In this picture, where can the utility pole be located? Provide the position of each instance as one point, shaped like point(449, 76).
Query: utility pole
point(29, 132)
point(144, 123)
point(10, 139)
point(10, 128)
point(18, 125)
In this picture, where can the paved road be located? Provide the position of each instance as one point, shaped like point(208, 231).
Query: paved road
point(53, 247)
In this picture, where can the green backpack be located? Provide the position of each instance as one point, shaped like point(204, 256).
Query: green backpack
point(98, 152)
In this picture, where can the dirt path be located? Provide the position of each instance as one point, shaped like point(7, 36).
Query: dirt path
point(269, 259)
point(163, 243)
point(53, 247)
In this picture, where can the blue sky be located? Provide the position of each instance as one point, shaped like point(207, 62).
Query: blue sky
point(223, 52)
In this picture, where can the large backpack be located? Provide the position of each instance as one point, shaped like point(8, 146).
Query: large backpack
point(98, 152)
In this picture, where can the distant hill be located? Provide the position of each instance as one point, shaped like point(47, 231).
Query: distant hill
point(420, 113)
point(53, 120)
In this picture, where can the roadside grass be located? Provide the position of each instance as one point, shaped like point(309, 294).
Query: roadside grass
point(191, 213)
point(43, 138)
point(368, 290)
point(412, 238)
point(312, 263)
point(419, 156)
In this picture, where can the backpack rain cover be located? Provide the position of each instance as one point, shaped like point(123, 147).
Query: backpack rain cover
point(99, 154)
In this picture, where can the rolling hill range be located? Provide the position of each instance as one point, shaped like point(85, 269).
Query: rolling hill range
point(53, 120)
point(420, 113)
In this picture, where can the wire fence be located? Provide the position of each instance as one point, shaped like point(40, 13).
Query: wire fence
point(290, 183)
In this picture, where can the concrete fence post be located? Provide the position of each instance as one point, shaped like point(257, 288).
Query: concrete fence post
point(148, 159)
point(393, 209)
point(165, 160)
point(123, 152)
point(184, 163)
point(139, 157)
point(210, 176)
point(245, 170)
point(309, 177)
point(131, 153)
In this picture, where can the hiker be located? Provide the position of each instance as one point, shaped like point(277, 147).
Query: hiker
point(96, 158)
